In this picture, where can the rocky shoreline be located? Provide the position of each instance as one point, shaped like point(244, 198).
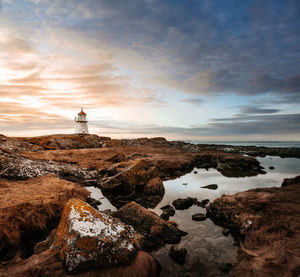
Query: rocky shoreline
point(50, 170)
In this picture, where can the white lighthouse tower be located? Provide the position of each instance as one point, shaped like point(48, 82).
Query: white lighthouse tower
point(81, 123)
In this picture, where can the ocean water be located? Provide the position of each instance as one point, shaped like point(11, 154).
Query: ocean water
point(249, 143)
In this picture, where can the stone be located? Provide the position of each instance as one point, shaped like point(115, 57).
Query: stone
point(291, 181)
point(226, 267)
point(93, 202)
point(271, 167)
point(199, 217)
point(167, 212)
point(154, 187)
point(182, 204)
point(195, 172)
point(211, 186)
point(155, 230)
point(226, 232)
point(88, 238)
point(178, 254)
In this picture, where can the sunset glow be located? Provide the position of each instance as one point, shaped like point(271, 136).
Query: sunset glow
point(180, 69)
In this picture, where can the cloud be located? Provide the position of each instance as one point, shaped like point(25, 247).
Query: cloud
point(245, 110)
point(193, 101)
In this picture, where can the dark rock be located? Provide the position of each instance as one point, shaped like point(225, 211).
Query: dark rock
point(184, 184)
point(154, 187)
point(226, 267)
point(155, 230)
point(117, 158)
point(182, 204)
point(199, 217)
point(291, 181)
point(167, 212)
point(93, 202)
point(195, 172)
point(205, 202)
point(225, 232)
point(271, 167)
point(178, 254)
point(212, 186)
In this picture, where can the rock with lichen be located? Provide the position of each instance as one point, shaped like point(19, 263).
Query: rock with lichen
point(88, 238)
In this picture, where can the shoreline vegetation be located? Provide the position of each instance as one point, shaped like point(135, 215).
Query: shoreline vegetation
point(39, 175)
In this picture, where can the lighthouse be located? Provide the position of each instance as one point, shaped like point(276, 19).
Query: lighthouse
point(81, 123)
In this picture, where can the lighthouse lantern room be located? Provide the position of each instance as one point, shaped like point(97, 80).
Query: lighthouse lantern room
point(81, 123)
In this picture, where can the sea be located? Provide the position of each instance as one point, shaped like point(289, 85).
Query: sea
point(258, 143)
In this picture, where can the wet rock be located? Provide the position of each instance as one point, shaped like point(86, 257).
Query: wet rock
point(195, 172)
point(155, 230)
point(167, 212)
point(226, 267)
point(184, 184)
point(271, 167)
point(154, 187)
point(93, 202)
point(212, 186)
point(291, 181)
point(226, 232)
point(88, 238)
point(199, 217)
point(178, 254)
point(182, 204)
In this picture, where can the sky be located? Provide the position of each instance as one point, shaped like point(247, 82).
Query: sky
point(192, 69)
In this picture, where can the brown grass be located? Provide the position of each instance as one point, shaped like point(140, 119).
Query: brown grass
point(271, 245)
point(47, 264)
point(29, 209)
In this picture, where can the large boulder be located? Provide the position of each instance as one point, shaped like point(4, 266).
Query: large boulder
point(133, 177)
point(88, 238)
point(155, 230)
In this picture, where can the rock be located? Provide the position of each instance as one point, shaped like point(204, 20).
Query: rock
point(134, 177)
point(202, 203)
point(226, 232)
point(154, 187)
point(291, 181)
point(178, 254)
point(271, 167)
point(184, 184)
point(117, 158)
point(88, 238)
point(199, 217)
point(93, 202)
point(155, 230)
point(182, 204)
point(226, 267)
point(195, 172)
point(167, 212)
point(212, 186)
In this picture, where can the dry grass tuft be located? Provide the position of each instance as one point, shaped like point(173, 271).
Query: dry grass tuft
point(29, 209)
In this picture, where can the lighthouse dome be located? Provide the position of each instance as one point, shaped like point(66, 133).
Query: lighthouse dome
point(81, 112)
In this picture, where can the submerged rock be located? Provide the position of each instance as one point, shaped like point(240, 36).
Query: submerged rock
point(182, 204)
point(154, 187)
point(88, 238)
point(199, 217)
point(212, 186)
point(155, 230)
point(178, 254)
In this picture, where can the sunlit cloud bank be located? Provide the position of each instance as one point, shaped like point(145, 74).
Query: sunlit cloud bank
point(146, 68)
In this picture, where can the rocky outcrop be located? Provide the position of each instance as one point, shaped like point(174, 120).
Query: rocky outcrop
point(266, 223)
point(155, 230)
point(65, 141)
point(88, 238)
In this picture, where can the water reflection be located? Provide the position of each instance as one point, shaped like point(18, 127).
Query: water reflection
point(207, 248)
